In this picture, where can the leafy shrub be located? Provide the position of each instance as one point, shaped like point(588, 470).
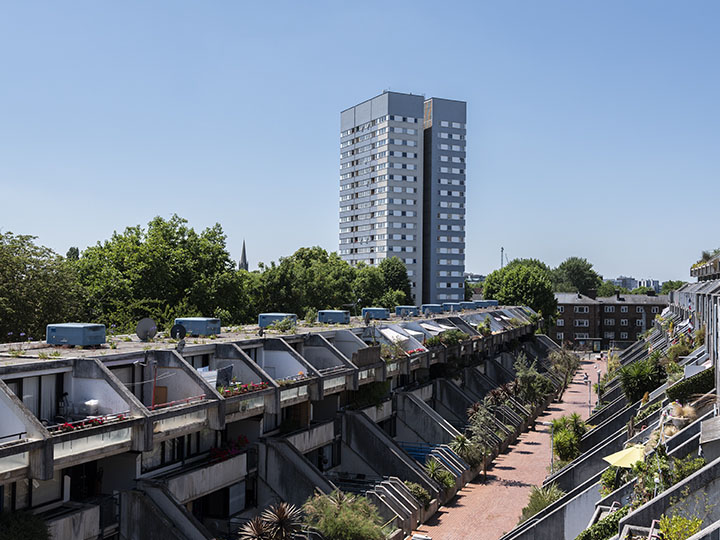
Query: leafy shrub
point(311, 315)
point(484, 328)
point(468, 450)
point(343, 517)
point(606, 528)
point(700, 383)
point(682, 468)
point(453, 337)
point(674, 352)
point(647, 411)
point(641, 376)
point(540, 497)
point(434, 341)
point(286, 325)
point(22, 526)
point(419, 492)
point(567, 445)
point(612, 479)
point(442, 476)
point(678, 527)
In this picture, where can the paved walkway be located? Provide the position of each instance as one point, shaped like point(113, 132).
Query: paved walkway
point(486, 511)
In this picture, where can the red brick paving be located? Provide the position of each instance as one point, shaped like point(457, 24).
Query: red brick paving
point(486, 511)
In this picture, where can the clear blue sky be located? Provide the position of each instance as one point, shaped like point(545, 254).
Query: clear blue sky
point(593, 127)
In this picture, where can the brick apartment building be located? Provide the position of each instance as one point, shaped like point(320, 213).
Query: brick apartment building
point(601, 323)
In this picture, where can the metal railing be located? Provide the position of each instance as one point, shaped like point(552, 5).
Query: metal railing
point(194, 399)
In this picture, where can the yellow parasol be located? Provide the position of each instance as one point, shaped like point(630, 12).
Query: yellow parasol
point(628, 457)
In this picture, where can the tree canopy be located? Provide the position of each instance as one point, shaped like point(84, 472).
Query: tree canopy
point(168, 270)
point(670, 286)
point(576, 274)
point(521, 284)
point(37, 288)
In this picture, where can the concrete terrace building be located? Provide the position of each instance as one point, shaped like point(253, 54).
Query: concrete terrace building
point(137, 441)
point(402, 189)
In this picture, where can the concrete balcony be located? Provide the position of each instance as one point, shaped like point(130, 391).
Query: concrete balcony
point(74, 520)
point(198, 480)
point(313, 438)
point(72, 446)
point(378, 413)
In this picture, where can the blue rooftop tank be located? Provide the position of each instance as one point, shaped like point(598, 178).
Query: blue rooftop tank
point(334, 316)
point(266, 319)
point(199, 326)
point(79, 334)
point(451, 306)
point(409, 311)
point(376, 313)
point(485, 303)
point(431, 308)
point(467, 305)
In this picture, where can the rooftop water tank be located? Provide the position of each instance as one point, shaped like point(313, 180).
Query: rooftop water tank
point(79, 334)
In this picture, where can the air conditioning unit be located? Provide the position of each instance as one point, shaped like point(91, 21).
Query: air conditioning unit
point(200, 326)
point(78, 334)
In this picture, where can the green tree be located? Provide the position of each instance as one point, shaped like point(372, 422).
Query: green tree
point(309, 278)
point(643, 290)
point(165, 271)
point(368, 285)
point(392, 298)
point(73, 254)
point(395, 277)
point(670, 286)
point(37, 287)
point(469, 291)
point(576, 274)
point(522, 285)
point(607, 288)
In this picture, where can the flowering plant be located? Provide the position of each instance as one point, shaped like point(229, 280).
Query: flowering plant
point(67, 427)
point(229, 449)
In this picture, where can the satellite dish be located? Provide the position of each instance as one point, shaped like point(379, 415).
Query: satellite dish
point(178, 331)
point(367, 318)
point(146, 329)
point(404, 313)
point(180, 347)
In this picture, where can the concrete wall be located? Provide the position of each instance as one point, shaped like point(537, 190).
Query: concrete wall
point(280, 364)
point(368, 440)
point(81, 390)
point(154, 515)
point(288, 473)
point(418, 422)
point(201, 481)
point(83, 524)
point(313, 438)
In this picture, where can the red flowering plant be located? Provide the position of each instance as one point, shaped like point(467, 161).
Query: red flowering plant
point(415, 351)
point(229, 449)
point(66, 427)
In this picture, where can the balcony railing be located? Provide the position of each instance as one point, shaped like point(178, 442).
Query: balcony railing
point(92, 442)
point(186, 401)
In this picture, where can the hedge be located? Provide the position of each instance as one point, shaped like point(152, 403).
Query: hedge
point(700, 383)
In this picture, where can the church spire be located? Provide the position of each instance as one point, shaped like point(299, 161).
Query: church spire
point(243, 264)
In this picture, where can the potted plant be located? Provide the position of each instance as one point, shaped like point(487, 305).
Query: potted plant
point(681, 415)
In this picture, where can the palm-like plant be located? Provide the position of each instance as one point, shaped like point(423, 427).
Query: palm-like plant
point(283, 521)
point(255, 529)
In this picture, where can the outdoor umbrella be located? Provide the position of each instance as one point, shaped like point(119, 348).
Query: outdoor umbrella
point(628, 457)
